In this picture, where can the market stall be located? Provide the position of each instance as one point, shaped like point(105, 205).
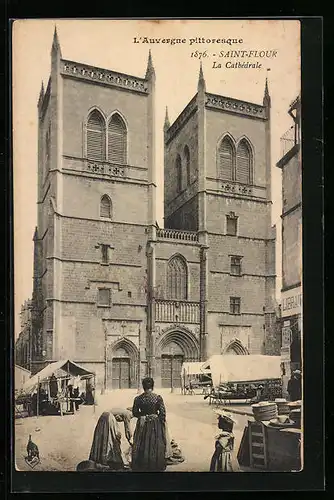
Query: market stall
point(58, 388)
point(273, 444)
point(194, 377)
point(244, 377)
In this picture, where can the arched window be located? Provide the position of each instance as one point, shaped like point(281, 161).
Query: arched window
point(96, 137)
point(243, 167)
point(105, 207)
point(117, 140)
point(178, 166)
point(177, 279)
point(187, 160)
point(225, 159)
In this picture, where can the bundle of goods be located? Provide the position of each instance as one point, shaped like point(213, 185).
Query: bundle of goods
point(281, 421)
point(282, 406)
point(176, 457)
point(295, 415)
point(295, 405)
point(264, 411)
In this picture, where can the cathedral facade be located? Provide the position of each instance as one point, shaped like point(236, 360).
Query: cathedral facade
point(113, 291)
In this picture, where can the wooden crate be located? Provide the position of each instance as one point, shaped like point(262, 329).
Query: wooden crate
point(257, 445)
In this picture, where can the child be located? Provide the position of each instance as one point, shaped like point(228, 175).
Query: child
point(222, 459)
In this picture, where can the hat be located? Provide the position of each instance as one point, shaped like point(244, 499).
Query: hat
point(225, 415)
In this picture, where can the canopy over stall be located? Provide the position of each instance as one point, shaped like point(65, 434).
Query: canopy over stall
point(61, 369)
point(194, 368)
point(244, 368)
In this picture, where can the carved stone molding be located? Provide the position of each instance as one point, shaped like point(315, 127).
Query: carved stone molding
point(236, 106)
point(99, 75)
point(105, 169)
point(237, 189)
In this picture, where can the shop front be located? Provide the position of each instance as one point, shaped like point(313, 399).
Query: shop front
point(291, 346)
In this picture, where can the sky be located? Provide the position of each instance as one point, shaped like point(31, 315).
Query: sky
point(110, 44)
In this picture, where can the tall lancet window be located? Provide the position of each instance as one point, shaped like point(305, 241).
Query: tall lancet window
point(178, 167)
point(117, 137)
point(105, 207)
point(177, 278)
point(243, 167)
point(225, 159)
point(187, 162)
point(96, 137)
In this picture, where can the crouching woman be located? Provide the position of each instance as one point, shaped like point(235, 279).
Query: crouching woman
point(106, 446)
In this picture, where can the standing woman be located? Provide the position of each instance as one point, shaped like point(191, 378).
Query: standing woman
point(149, 441)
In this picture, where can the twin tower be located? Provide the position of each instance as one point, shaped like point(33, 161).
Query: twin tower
point(113, 291)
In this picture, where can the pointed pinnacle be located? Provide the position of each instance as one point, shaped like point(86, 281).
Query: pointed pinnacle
point(201, 81)
point(150, 68)
point(41, 94)
point(167, 123)
point(55, 42)
point(266, 97)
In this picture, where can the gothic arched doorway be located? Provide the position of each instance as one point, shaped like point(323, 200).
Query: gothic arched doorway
point(175, 347)
point(236, 348)
point(122, 365)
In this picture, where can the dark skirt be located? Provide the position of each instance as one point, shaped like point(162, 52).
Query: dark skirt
point(149, 445)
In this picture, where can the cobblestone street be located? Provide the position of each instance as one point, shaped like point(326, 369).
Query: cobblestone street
point(65, 441)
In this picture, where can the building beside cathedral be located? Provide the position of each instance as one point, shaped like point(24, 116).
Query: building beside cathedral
point(291, 292)
point(113, 291)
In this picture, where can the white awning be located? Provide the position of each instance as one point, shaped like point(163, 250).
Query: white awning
point(194, 368)
point(243, 368)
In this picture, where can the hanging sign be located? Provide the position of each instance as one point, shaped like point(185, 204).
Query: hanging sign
point(292, 302)
point(286, 336)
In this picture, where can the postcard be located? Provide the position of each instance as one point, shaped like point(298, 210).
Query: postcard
point(158, 245)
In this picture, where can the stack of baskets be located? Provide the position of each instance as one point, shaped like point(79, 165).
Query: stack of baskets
point(264, 411)
point(282, 406)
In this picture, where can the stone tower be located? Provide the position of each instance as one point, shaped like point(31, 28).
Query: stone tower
point(96, 211)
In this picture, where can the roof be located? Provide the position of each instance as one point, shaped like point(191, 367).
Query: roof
point(243, 368)
point(21, 369)
point(194, 368)
point(59, 368)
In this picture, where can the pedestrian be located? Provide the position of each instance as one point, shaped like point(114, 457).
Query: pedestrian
point(295, 386)
point(89, 400)
point(223, 459)
point(106, 445)
point(53, 386)
point(149, 440)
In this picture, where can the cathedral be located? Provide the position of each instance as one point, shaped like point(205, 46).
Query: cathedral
point(112, 290)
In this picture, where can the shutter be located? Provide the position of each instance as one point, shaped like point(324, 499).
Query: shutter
point(226, 160)
point(117, 141)
point(95, 137)
point(243, 164)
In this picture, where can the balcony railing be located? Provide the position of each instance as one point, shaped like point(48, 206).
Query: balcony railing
point(175, 234)
point(289, 139)
point(176, 311)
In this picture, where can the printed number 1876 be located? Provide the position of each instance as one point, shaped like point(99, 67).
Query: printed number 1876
point(199, 55)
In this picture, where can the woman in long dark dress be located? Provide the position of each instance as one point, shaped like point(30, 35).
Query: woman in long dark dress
point(149, 440)
point(106, 446)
